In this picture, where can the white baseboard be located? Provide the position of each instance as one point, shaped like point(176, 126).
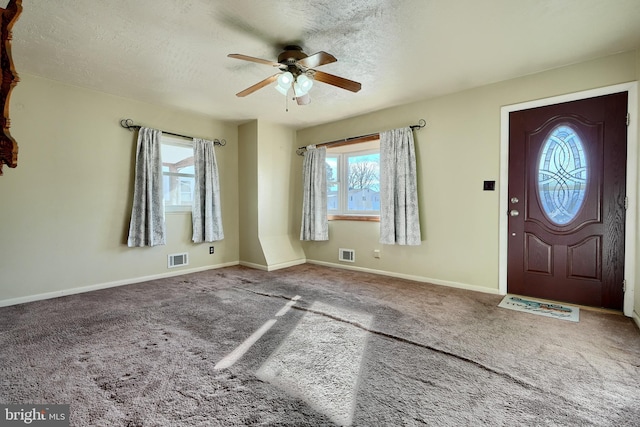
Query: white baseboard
point(48, 295)
point(410, 277)
point(82, 289)
point(273, 267)
point(287, 264)
point(254, 266)
point(636, 318)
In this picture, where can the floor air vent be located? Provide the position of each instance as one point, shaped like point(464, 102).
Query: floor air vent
point(178, 260)
point(348, 255)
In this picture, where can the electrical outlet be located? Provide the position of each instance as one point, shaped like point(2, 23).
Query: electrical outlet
point(376, 253)
point(210, 249)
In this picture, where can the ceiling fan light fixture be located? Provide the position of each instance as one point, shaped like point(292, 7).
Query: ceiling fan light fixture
point(282, 90)
point(285, 80)
point(303, 85)
point(297, 73)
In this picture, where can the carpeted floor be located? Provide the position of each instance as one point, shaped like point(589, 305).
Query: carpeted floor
point(353, 349)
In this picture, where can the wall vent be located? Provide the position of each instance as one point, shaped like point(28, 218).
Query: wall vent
point(178, 260)
point(348, 255)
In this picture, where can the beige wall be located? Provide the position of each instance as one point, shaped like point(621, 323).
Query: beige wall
point(66, 207)
point(250, 248)
point(276, 180)
point(267, 237)
point(457, 151)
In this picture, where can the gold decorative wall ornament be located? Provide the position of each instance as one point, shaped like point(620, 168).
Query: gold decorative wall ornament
point(8, 145)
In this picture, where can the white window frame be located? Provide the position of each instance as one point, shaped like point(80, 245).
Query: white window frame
point(183, 143)
point(342, 154)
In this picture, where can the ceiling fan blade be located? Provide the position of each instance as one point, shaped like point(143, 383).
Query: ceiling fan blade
point(258, 85)
point(252, 59)
point(337, 81)
point(317, 59)
point(304, 99)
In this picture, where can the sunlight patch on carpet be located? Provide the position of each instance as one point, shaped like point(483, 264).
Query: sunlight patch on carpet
point(319, 362)
point(239, 351)
point(541, 308)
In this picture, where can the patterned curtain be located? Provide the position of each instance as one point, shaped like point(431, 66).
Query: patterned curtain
point(315, 225)
point(147, 227)
point(399, 218)
point(206, 214)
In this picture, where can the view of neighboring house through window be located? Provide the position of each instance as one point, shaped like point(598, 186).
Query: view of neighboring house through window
point(353, 179)
point(177, 173)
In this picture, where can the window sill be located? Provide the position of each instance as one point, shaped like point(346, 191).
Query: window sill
point(177, 210)
point(371, 218)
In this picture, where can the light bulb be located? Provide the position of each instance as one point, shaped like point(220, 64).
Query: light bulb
point(284, 83)
point(302, 85)
point(285, 79)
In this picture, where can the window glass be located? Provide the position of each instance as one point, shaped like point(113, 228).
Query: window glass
point(178, 174)
point(333, 183)
point(364, 182)
point(353, 179)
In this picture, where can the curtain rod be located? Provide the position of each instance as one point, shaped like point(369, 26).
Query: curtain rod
point(128, 124)
point(301, 150)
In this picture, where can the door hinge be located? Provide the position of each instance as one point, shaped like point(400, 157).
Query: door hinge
point(628, 118)
point(626, 202)
point(624, 286)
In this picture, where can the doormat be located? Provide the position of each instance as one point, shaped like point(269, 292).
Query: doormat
point(540, 308)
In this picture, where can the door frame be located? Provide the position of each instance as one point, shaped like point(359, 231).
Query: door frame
point(632, 180)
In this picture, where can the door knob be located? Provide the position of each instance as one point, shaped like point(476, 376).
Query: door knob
point(514, 212)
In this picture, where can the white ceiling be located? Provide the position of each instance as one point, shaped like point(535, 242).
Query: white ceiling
point(174, 52)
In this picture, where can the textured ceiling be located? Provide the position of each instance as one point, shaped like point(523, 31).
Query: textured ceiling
point(174, 52)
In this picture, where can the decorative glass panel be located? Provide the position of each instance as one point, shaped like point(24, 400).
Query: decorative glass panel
point(562, 175)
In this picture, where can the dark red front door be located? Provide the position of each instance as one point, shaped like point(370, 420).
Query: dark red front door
point(567, 170)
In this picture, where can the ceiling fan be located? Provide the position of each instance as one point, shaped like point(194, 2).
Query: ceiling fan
point(297, 73)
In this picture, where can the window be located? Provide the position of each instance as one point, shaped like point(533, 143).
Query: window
point(178, 177)
point(353, 181)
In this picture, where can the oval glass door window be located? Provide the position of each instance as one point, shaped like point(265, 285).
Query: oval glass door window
point(562, 175)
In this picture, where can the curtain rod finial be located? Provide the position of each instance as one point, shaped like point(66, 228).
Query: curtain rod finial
point(421, 123)
point(127, 124)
